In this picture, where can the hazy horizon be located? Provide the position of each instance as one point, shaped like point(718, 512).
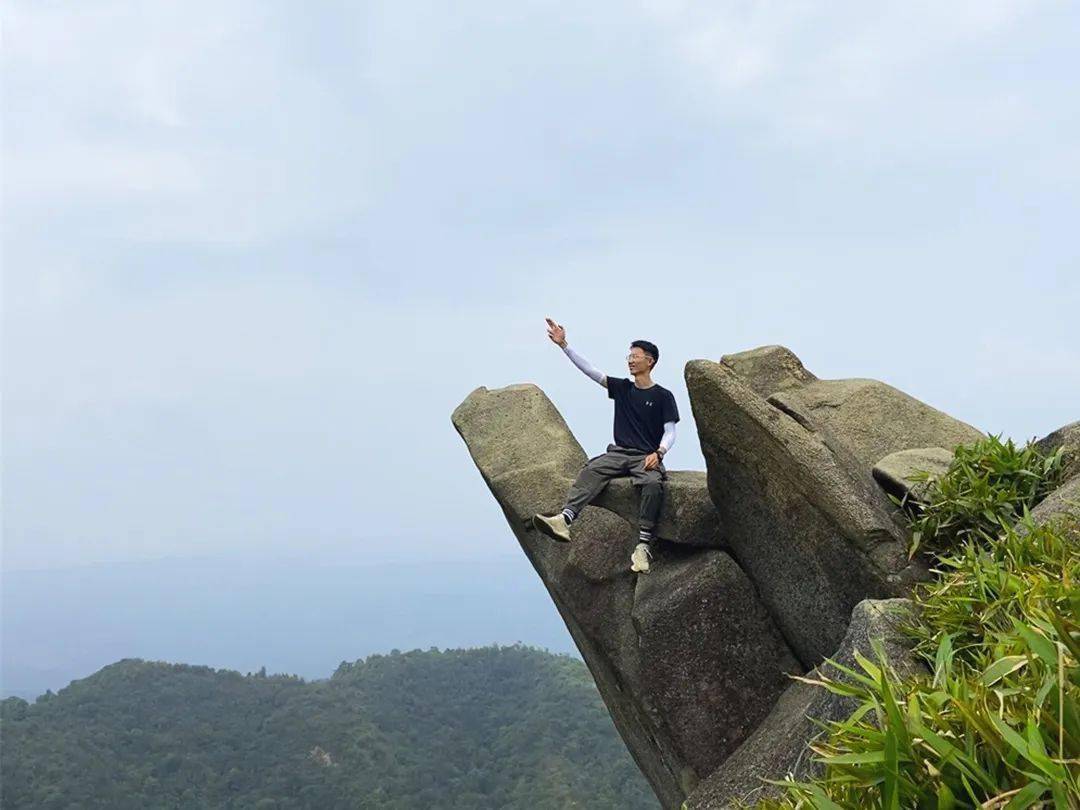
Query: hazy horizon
point(289, 615)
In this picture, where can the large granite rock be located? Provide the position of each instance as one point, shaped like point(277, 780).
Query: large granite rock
point(807, 523)
point(770, 556)
point(896, 472)
point(778, 747)
point(687, 658)
point(870, 419)
point(769, 369)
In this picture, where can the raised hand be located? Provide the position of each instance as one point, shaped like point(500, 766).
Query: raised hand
point(556, 333)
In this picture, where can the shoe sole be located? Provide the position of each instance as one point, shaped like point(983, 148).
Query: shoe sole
point(543, 528)
point(636, 570)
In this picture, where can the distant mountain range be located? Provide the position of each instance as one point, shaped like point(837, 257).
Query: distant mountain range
point(506, 727)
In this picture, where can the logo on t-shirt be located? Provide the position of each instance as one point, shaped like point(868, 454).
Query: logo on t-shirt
point(648, 402)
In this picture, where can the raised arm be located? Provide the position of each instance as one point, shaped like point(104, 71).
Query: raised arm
point(558, 336)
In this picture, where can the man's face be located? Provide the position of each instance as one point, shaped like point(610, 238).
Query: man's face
point(638, 361)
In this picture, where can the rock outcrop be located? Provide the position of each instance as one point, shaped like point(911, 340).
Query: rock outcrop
point(687, 659)
point(766, 561)
point(896, 471)
point(790, 473)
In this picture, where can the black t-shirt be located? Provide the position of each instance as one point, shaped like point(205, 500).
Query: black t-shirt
point(640, 413)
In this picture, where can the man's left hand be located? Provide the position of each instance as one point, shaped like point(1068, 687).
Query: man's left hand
point(652, 461)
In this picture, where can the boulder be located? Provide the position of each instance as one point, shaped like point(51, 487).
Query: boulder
point(807, 523)
point(1067, 438)
point(528, 457)
point(787, 550)
point(896, 471)
point(870, 419)
point(769, 369)
point(687, 658)
point(778, 747)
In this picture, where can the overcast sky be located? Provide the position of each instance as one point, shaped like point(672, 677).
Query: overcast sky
point(256, 253)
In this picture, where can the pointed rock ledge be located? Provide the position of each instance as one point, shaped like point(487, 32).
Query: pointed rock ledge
point(769, 369)
point(686, 658)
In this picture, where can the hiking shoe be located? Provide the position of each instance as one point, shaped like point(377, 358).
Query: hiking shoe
point(554, 527)
point(639, 560)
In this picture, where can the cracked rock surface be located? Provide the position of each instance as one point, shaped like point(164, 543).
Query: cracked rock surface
point(762, 569)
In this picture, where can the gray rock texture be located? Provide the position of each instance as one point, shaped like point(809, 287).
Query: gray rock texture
point(778, 747)
point(1067, 438)
point(808, 524)
point(764, 567)
point(687, 658)
point(869, 419)
point(769, 369)
point(895, 471)
point(1063, 504)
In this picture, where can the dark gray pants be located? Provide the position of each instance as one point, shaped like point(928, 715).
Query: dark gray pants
point(616, 462)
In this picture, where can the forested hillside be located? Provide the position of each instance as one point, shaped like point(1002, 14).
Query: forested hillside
point(492, 727)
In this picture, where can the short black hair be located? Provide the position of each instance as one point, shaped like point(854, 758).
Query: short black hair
point(648, 348)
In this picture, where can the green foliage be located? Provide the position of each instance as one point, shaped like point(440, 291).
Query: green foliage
point(506, 727)
point(987, 487)
point(995, 721)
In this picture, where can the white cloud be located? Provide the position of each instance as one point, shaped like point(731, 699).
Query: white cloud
point(246, 242)
point(188, 120)
point(884, 74)
point(42, 176)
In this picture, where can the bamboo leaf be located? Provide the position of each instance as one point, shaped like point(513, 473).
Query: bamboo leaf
point(1027, 796)
point(1002, 667)
point(864, 758)
point(1040, 645)
point(820, 800)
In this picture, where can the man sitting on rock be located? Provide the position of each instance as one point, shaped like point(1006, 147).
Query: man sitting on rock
point(645, 417)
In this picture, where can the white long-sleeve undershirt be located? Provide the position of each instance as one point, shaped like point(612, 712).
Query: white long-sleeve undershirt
point(590, 371)
point(668, 439)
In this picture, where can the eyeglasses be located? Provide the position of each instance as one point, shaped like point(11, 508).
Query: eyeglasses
point(636, 356)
